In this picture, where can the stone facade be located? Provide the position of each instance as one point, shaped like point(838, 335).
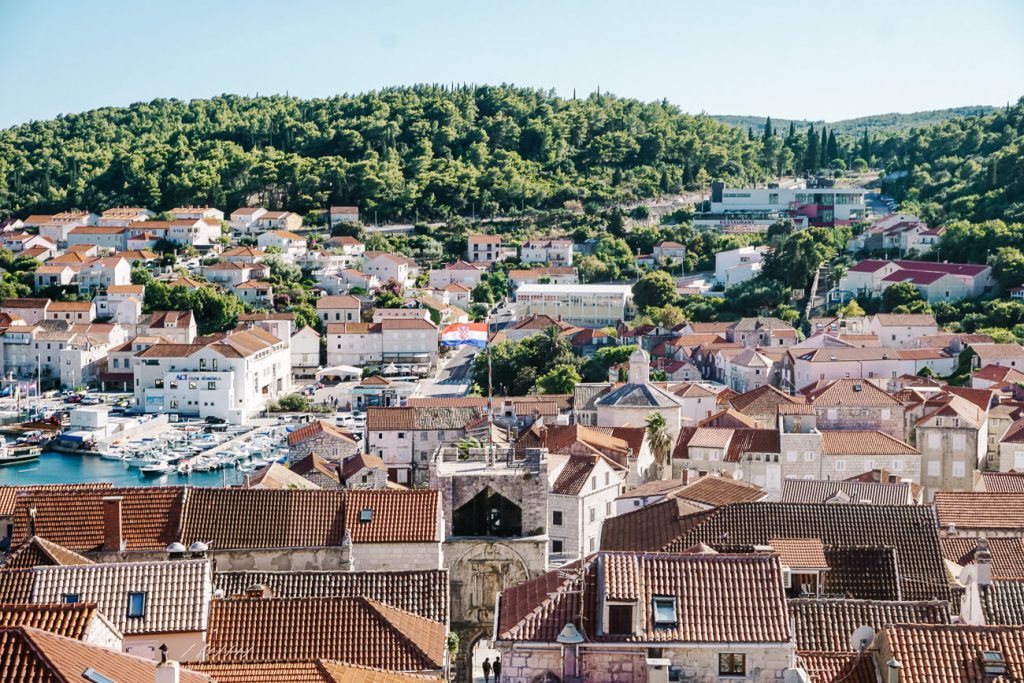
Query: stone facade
point(482, 566)
point(325, 445)
point(627, 663)
point(888, 419)
point(949, 456)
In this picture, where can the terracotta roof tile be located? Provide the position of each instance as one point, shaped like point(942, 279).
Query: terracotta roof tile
point(9, 493)
point(1007, 554)
point(68, 620)
point(822, 490)
point(319, 671)
point(825, 624)
point(176, 592)
point(715, 490)
point(74, 518)
point(909, 530)
point(836, 667)
point(719, 598)
point(850, 442)
point(984, 510)
point(316, 428)
point(932, 653)
point(420, 592)
point(851, 392)
point(29, 655)
point(354, 630)
point(37, 552)
point(264, 518)
point(800, 553)
point(396, 516)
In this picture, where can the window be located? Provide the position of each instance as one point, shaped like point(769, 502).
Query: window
point(69, 598)
point(790, 456)
point(556, 545)
point(933, 469)
point(664, 608)
point(1018, 460)
point(620, 620)
point(840, 465)
point(958, 470)
point(809, 456)
point(592, 514)
point(732, 664)
point(401, 435)
point(136, 605)
point(832, 413)
point(934, 440)
point(556, 517)
point(607, 478)
point(212, 386)
point(193, 386)
point(608, 509)
point(959, 442)
point(173, 384)
point(593, 483)
point(366, 515)
point(938, 422)
point(886, 413)
point(592, 544)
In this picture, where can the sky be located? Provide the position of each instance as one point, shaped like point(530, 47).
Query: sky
point(813, 59)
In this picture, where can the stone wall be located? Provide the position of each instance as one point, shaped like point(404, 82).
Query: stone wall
point(524, 665)
point(888, 419)
point(325, 445)
point(396, 556)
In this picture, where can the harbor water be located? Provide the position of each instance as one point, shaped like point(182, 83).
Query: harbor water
point(62, 468)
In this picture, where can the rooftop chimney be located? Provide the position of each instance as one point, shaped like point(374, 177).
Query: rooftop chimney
point(167, 671)
point(983, 562)
point(112, 536)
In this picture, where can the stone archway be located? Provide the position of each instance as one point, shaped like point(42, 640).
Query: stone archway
point(479, 569)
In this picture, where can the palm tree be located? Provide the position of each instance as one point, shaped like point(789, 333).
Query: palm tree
point(659, 440)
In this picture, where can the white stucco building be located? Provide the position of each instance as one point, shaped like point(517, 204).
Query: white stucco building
point(585, 305)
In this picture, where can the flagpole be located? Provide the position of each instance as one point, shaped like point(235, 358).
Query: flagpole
point(490, 389)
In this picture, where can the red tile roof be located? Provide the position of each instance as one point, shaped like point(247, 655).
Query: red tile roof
point(850, 442)
point(1007, 554)
point(826, 624)
point(68, 620)
point(974, 510)
point(28, 655)
point(717, 490)
point(319, 671)
point(354, 630)
point(719, 598)
point(836, 667)
point(316, 428)
point(397, 516)
point(74, 518)
point(932, 653)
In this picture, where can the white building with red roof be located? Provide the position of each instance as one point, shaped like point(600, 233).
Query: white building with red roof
point(935, 281)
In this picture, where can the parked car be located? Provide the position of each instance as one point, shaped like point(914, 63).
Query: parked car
point(214, 420)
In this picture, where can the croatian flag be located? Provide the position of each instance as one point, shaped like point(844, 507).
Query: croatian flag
point(474, 334)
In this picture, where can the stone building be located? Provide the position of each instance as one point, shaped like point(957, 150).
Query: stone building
point(634, 402)
point(496, 518)
point(953, 440)
point(635, 605)
point(857, 404)
point(324, 439)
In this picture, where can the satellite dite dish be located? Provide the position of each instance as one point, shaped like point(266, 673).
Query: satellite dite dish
point(861, 638)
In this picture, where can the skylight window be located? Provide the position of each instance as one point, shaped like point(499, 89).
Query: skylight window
point(94, 676)
point(664, 609)
point(69, 598)
point(366, 515)
point(136, 605)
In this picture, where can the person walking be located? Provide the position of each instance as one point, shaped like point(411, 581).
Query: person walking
point(497, 670)
point(487, 669)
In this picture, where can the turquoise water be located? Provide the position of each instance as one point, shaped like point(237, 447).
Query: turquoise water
point(61, 468)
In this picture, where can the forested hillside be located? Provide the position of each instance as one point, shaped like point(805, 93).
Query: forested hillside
point(424, 150)
point(969, 168)
point(876, 122)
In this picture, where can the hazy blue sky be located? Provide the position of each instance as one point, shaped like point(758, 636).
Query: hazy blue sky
point(821, 59)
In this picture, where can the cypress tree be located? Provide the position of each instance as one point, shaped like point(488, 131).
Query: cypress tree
point(767, 129)
point(833, 146)
point(865, 148)
point(812, 153)
point(823, 150)
point(792, 131)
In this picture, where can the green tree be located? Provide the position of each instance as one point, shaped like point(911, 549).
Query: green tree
point(659, 441)
point(900, 294)
point(561, 379)
point(656, 289)
point(1008, 267)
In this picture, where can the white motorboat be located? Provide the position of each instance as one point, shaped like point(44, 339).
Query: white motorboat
point(153, 469)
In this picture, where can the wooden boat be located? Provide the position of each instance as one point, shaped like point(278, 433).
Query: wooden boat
point(9, 457)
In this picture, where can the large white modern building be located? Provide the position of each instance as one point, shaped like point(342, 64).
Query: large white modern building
point(584, 305)
point(820, 206)
point(231, 378)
